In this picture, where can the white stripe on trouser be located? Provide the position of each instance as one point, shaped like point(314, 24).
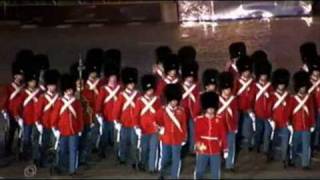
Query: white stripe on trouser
point(77, 160)
point(160, 157)
point(156, 160)
point(195, 169)
point(179, 168)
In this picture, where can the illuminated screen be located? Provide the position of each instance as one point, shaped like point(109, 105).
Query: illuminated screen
point(229, 10)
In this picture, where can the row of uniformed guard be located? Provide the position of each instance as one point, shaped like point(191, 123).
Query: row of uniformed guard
point(85, 110)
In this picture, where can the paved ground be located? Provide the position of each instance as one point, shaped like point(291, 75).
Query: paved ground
point(279, 37)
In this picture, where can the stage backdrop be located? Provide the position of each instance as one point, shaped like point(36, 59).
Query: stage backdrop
point(229, 10)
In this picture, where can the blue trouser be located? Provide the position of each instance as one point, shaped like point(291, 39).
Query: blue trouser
point(85, 144)
point(247, 133)
point(42, 151)
point(28, 146)
point(170, 158)
point(13, 127)
point(281, 140)
point(301, 147)
point(107, 139)
point(68, 155)
point(263, 134)
point(232, 150)
point(149, 152)
point(128, 145)
point(190, 135)
point(214, 162)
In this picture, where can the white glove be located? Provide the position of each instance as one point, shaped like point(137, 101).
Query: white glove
point(91, 125)
point(161, 130)
point(272, 124)
point(225, 154)
point(183, 143)
point(39, 127)
point(80, 134)
point(312, 129)
point(290, 128)
point(20, 122)
point(253, 117)
point(5, 115)
point(56, 133)
point(99, 119)
point(138, 131)
point(117, 125)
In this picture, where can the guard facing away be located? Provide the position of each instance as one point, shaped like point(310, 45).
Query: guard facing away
point(145, 112)
point(210, 80)
point(302, 119)
point(210, 137)
point(172, 121)
point(68, 125)
point(279, 110)
point(162, 53)
point(229, 113)
point(308, 53)
point(123, 115)
point(236, 50)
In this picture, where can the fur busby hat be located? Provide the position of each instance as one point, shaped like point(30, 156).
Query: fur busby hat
point(24, 57)
point(314, 65)
point(226, 80)
point(111, 70)
point(74, 71)
point(209, 100)
point(162, 53)
point(94, 60)
point(17, 68)
point(67, 81)
point(93, 66)
point(51, 76)
point(148, 81)
point(31, 73)
point(173, 92)
point(129, 75)
point(187, 54)
point(244, 64)
point(263, 67)
point(308, 51)
point(113, 57)
point(210, 76)
point(237, 49)
point(190, 69)
point(301, 79)
point(172, 63)
point(41, 61)
point(280, 76)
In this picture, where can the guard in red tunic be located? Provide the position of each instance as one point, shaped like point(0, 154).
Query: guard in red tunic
point(314, 91)
point(162, 53)
point(128, 133)
point(172, 121)
point(190, 98)
point(279, 108)
point(229, 112)
point(262, 93)
point(210, 80)
point(11, 105)
point(244, 90)
point(308, 53)
point(68, 125)
point(236, 50)
point(171, 68)
point(26, 114)
point(108, 95)
point(210, 137)
point(302, 118)
point(44, 109)
point(145, 112)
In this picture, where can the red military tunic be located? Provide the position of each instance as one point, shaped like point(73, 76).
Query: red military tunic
point(190, 100)
point(145, 113)
point(106, 99)
point(67, 116)
point(279, 109)
point(12, 102)
point(229, 112)
point(245, 91)
point(161, 84)
point(210, 135)
point(262, 94)
point(175, 129)
point(302, 117)
point(91, 92)
point(315, 93)
point(159, 72)
point(232, 68)
point(123, 110)
point(44, 109)
point(27, 104)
